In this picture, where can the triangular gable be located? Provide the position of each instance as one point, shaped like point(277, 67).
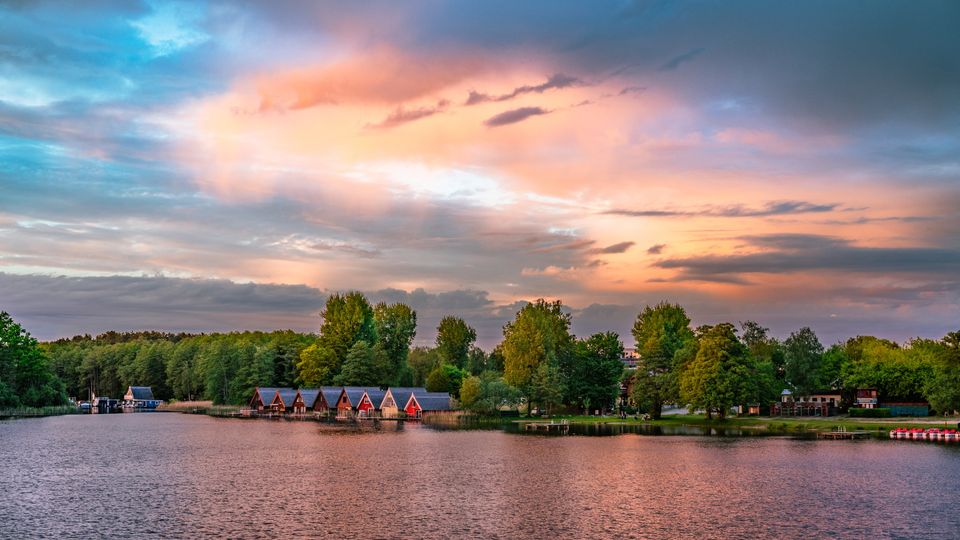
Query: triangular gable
point(388, 400)
point(412, 404)
point(343, 402)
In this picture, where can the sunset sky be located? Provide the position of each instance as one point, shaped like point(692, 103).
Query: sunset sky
point(226, 165)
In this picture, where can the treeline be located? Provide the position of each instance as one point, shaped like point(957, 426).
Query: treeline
point(539, 363)
point(25, 378)
point(219, 367)
point(714, 368)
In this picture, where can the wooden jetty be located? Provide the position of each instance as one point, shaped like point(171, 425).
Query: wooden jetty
point(842, 433)
point(563, 426)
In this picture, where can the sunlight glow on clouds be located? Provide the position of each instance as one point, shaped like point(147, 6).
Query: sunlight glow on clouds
point(609, 155)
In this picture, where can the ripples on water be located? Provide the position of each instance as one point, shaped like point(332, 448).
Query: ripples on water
point(179, 476)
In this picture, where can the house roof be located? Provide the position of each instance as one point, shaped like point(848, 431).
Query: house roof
point(401, 394)
point(354, 394)
point(376, 396)
point(287, 395)
point(309, 396)
point(141, 392)
point(266, 394)
point(433, 401)
point(331, 394)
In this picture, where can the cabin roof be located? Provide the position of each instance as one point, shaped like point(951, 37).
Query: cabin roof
point(309, 396)
point(266, 394)
point(331, 394)
point(286, 395)
point(401, 394)
point(433, 401)
point(376, 396)
point(141, 392)
point(354, 394)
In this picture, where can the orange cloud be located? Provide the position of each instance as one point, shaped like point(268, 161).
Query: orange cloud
point(380, 77)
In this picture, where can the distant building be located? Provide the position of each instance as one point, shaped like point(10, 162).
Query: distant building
point(820, 403)
point(327, 401)
point(283, 400)
point(424, 402)
point(140, 397)
point(630, 358)
point(305, 400)
point(867, 398)
point(900, 408)
point(370, 402)
point(349, 400)
point(395, 399)
point(262, 398)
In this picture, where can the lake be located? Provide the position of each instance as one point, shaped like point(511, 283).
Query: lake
point(157, 475)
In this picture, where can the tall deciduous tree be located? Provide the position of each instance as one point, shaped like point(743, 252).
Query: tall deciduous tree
point(540, 334)
point(347, 319)
point(660, 331)
point(25, 377)
point(396, 327)
point(454, 338)
point(720, 375)
point(803, 354)
point(943, 389)
point(361, 367)
point(595, 381)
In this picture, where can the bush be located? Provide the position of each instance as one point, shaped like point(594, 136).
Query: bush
point(857, 412)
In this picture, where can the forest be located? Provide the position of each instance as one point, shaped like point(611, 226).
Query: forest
point(539, 362)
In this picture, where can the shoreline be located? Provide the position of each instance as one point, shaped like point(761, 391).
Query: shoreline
point(774, 424)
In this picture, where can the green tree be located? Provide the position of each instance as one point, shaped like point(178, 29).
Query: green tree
point(720, 375)
point(660, 331)
point(445, 378)
point(803, 354)
point(899, 374)
point(762, 347)
point(318, 365)
point(396, 327)
point(182, 375)
point(595, 382)
point(546, 387)
point(477, 361)
point(540, 334)
point(454, 338)
point(943, 387)
point(347, 319)
point(487, 393)
point(25, 377)
point(361, 367)
point(421, 362)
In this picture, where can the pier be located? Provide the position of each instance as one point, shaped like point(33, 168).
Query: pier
point(842, 433)
point(563, 426)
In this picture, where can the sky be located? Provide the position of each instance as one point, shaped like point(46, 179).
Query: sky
point(215, 166)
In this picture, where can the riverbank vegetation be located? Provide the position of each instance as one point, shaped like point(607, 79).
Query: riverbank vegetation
point(26, 379)
point(539, 367)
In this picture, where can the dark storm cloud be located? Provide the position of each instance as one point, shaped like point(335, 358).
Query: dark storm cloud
point(514, 116)
point(773, 208)
point(675, 62)
point(556, 81)
point(786, 254)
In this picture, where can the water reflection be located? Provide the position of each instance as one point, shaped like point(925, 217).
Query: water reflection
point(183, 476)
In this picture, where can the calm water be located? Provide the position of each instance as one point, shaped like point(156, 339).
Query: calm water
point(181, 476)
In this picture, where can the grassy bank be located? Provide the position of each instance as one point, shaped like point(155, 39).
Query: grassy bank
point(185, 406)
point(778, 424)
point(37, 412)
